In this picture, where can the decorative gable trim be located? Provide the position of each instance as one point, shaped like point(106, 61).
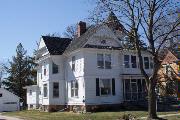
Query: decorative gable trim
point(103, 26)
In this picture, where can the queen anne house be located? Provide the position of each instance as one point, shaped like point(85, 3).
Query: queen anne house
point(88, 72)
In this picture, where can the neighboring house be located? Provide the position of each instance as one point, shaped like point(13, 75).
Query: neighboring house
point(8, 101)
point(88, 72)
point(169, 75)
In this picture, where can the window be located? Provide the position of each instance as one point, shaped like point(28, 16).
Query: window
point(105, 86)
point(151, 63)
point(100, 61)
point(54, 68)
point(73, 63)
point(146, 62)
point(44, 71)
point(55, 89)
point(45, 90)
point(74, 89)
point(0, 94)
point(104, 61)
point(41, 76)
point(126, 61)
point(39, 90)
point(133, 61)
point(107, 61)
point(30, 92)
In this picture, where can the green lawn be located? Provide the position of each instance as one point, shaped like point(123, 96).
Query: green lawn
point(36, 115)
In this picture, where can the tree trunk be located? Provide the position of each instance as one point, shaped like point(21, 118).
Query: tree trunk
point(152, 101)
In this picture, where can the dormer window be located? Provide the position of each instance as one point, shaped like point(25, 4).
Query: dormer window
point(55, 69)
point(103, 41)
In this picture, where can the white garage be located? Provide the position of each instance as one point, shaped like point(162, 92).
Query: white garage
point(8, 101)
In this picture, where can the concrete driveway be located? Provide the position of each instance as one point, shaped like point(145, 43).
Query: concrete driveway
point(2, 117)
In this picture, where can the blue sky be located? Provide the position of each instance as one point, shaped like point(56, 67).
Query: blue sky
point(26, 20)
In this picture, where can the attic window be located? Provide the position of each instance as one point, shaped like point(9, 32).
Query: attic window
point(0, 94)
point(103, 41)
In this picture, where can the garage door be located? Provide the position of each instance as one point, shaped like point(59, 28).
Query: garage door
point(10, 106)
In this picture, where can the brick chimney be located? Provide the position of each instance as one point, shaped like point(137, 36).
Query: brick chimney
point(81, 28)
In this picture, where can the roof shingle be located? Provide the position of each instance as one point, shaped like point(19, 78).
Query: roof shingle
point(56, 45)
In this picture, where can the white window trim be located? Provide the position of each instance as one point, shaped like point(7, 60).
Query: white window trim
point(132, 62)
point(47, 90)
point(148, 62)
point(104, 61)
point(74, 93)
point(53, 67)
point(110, 86)
point(129, 62)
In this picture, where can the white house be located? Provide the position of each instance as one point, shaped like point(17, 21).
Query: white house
point(88, 72)
point(8, 101)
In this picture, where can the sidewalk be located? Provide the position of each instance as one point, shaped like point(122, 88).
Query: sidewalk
point(162, 116)
point(2, 117)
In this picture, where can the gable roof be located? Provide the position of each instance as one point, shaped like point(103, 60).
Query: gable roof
point(56, 45)
point(112, 22)
point(3, 89)
point(80, 41)
point(169, 58)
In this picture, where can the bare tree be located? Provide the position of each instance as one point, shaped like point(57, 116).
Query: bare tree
point(71, 31)
point(155, 21)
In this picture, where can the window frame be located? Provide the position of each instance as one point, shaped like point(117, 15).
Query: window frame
point(55, 90)
point(74, 89)
point(146, 63)
point(45, 86)
point(110, 85)
point(151, 63)
point(45, 71)
point(55, 68)
point(133, 63)
point(104, 61)
point(73, 60)
point(127, 62)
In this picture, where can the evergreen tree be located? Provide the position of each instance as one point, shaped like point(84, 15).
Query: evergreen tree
point(21, 72)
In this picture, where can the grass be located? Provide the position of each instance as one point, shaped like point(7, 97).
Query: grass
point(37, 115)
